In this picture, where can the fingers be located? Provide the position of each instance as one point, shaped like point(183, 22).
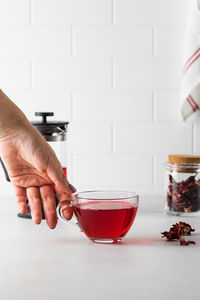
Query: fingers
point(20, 196)
point(33, 195)
point(43, 195)
point(49, 205)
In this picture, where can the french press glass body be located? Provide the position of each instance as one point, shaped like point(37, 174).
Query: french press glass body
point(55, 133)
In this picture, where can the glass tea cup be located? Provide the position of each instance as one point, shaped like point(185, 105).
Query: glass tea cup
point(103, 216)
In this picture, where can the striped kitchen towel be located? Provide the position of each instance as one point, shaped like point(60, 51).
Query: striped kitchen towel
point(190, 92)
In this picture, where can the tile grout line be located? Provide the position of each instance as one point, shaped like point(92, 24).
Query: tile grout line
point(112, 85)
point(153, 171)
point(30, 61)
point(78, 154)
point(112, 75)
point(30, 12)
point(154, 42)
point(72, 106)
point(30, 73)
point(71, 40)
point(112, 139)
point(84, 26)
point(112, 12)
point(153, 106)
point(113, 72)
point(72, 117)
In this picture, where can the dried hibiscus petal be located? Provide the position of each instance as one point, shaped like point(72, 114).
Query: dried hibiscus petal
point(183, 242)
point(183, 196)
point(177, 231)
point(185, 229)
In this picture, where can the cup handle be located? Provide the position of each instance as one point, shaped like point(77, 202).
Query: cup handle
point(73, 222)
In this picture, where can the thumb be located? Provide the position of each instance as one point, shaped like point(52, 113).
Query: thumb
point(67, 209)
point(58, 178)
point(64, 191)
point(63, 188)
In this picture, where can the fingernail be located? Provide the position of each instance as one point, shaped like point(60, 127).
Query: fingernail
point(52, 224)
point(22, 209)
point(37, 222)
point(72, 188)
point(37, 219)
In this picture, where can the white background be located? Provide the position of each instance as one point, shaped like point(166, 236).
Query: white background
point(113, 69)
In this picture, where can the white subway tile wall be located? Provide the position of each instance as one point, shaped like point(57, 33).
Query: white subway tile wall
point(90, 138)
point(31, 101)
point(14, 12)
point(159, 169)
point(167, 106)
point(35, 42)
point(149, 13)
point(14, 73)
point(112, 106)
point(71, 74)
point(196, 139)
point(149, 74)
point(113, 170)
point(165, 36)
point(113, 42)
point(71, 12)
point(152, 138)
point(113, 69)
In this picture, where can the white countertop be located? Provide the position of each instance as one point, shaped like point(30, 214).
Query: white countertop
point(39, 263)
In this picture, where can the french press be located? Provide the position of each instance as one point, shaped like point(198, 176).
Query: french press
point(55, 133)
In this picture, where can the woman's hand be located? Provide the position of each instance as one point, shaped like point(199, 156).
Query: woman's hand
point(33, 168)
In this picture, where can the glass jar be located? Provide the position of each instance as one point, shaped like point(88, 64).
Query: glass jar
point(182, 185)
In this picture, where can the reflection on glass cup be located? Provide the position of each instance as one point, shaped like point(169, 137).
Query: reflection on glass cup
point(104, 216)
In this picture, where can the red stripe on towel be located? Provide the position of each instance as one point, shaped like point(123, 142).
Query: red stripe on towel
point(191, 104)
point(189, 59)
point(194, 102)
point(186, 69)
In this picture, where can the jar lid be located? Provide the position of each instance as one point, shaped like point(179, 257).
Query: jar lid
point(184, 159)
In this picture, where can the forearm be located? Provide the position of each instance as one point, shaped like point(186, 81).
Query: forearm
point(12, 118)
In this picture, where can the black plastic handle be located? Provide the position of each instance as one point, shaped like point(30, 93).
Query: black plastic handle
point(5, 171)
point(44, 115)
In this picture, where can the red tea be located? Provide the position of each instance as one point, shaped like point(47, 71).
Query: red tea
point(105, 219)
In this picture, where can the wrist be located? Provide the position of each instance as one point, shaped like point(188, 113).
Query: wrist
point(13, 129)
point(12, 119)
